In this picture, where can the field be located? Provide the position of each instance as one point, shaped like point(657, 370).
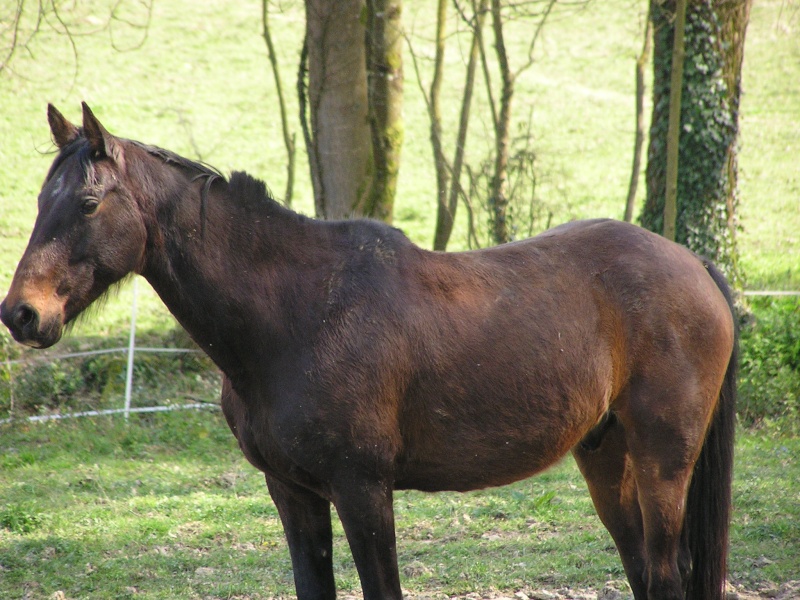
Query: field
point(166, 507)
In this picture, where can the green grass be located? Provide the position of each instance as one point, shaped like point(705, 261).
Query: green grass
point(167, 507)
point(200, 85)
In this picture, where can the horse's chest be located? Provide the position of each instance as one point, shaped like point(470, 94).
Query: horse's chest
point(276, 439)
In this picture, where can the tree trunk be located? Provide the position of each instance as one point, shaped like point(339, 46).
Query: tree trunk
point(446, 213)
point(706, 198)
point(674, 123)
point(434, 108)
point(638, 143)
point(340, 151)
point(734, 17)
point(498, 200)
point(288, 138)
point(384, 55)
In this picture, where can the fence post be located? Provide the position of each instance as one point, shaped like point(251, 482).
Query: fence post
point(131, 346)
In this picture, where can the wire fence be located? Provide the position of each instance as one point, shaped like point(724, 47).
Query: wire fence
point(132, 350)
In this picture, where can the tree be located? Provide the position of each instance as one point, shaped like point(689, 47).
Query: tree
point(638, 143)
point(353, 96)
point(384, 46)
point(337, 131)
point(288, 138)
point(706, 185)
point(448, 174)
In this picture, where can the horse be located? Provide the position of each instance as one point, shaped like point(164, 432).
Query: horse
point(356, 363)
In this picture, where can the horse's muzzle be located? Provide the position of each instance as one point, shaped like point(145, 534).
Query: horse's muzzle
point(27, 325)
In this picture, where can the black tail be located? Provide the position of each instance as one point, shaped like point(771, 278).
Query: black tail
point(708, 505)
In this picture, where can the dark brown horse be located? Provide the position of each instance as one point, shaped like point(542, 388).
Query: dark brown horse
point(357, 363)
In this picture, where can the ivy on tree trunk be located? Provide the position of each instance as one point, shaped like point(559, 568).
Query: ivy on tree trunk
point(706, 187)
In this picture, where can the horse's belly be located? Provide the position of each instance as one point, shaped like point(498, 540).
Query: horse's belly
point(480, 459)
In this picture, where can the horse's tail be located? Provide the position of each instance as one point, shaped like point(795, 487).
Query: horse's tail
point(708, 504)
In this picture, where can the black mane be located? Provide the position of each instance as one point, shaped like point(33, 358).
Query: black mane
point(78, 147)
point(249, 190)
point(202, 169)
point(199, 169)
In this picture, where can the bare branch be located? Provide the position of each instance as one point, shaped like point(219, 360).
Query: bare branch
point(288, 138)
point(539, 27)
point(71, 39)
point(19, 30)
point(115, 17)
point(15, 21)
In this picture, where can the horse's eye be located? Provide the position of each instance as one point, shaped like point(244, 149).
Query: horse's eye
point(89, 206)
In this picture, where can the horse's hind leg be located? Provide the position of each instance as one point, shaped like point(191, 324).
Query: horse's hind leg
point(306, 520)
point(663, 472)
point(607, 467)
point(665, 430)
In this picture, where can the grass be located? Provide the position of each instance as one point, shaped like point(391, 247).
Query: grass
point(168, 508)
point(200, 86)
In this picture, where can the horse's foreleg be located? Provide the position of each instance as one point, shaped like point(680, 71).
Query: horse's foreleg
point(608, 471)
point(367, 515)
point(306, 519)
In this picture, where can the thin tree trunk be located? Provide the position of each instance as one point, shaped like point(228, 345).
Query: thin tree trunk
point(384, 37)
point(674, 131)
point(341, 143)
point(288, 138)
point(305, 125)
point(434, 107)
point(447, 213)
point(638, 144)
point(498, 201)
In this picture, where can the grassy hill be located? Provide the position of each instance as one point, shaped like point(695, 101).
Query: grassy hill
point(197, 81)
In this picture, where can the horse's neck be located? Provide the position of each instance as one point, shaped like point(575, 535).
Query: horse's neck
point(225, 281)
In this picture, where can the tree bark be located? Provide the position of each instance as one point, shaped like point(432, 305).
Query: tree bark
point(498, 200)
point(384, 56)
point(674, 127)
point(340, 152)
point(638, 143)
point(734, 18)
point(435, 114)
point(706, 184)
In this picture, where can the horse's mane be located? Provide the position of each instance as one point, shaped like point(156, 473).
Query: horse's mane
point(202, 169)
point(241, 188)
point(78, 147)
point(249, 190)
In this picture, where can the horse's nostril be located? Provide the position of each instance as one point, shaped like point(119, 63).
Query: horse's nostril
point(25, 315)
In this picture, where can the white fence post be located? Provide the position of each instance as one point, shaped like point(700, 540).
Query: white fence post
point(131, 347)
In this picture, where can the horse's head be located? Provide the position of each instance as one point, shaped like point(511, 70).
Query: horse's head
point(88, 234)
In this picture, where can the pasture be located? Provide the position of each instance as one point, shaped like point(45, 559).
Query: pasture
point(168, 508)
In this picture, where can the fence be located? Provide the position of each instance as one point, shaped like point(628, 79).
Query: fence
point(132, 350)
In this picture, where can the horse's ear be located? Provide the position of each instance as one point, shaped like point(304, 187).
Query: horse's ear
point(63, 131)
point(102, 143)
